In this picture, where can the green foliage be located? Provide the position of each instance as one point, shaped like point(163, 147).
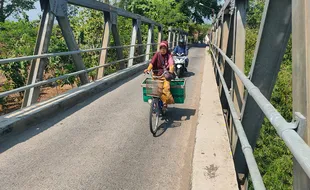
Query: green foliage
point(254, 14)
point(17, 39)
point(199, 31)
point(251, 37)
point(90, 24)
point(59, 65)
point(196, 12)
point(166, 12)
point(14, 7)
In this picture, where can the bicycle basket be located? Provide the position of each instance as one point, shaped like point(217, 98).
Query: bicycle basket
point(154, 88)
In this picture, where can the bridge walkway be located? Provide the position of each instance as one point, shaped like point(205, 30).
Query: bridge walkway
point(105, 143)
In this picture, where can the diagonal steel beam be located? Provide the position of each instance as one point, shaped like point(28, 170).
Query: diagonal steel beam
point(38, 65)
point(117, 41)
point(272, 40)
point(72, 46)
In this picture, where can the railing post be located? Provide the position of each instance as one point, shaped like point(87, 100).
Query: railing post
point(169, 37)
point(105, 43)
point(219, 44)
point(178, 38)
point(218, 38)
point(38, 65)
point(237, 85)
point(227, 48)
point(239, 56)
point(221, 38)
point(149, 41)
point(229, 74)
point(215, 37)
point(234, 136)
point(211, 35)
point(117, 41)
point(173, 40)
point(153, 47)
point(135, 33)
point(159, 36)
point(214, 34)
point(301, 77)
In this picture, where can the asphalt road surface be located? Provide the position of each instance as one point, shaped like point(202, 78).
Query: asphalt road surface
point(105, 143)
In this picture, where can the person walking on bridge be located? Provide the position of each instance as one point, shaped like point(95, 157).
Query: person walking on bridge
point(162, 61)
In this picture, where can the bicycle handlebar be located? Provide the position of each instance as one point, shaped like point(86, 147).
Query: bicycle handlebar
point(157, 77)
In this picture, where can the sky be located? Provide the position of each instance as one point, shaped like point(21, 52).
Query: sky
point(33, 14)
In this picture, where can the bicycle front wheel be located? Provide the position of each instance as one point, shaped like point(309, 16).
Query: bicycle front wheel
point(154, 115)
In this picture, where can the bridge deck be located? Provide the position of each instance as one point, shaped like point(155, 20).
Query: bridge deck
point(105, 143)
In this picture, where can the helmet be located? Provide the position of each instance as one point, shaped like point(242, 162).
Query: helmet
point(181, 42)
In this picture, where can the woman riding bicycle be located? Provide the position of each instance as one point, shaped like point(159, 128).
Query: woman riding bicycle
point(162, 61)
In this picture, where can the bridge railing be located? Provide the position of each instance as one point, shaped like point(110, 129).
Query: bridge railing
point(245, 99)
point(65, 76)
point(59, 9)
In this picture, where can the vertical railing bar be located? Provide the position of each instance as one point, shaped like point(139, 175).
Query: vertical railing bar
point(105, 43)
point(149, 40)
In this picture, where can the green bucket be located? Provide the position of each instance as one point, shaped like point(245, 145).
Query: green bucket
point(177, 88)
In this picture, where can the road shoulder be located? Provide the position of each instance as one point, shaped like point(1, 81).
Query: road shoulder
point(213, 166)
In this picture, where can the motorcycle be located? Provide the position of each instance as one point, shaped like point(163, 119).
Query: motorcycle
point(179, 61)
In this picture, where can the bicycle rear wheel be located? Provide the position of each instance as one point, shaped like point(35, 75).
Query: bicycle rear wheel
point(154, 115)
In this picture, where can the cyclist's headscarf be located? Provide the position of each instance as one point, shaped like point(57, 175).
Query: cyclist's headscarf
point(165, 44)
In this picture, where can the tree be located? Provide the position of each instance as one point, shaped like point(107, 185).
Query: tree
point(17, 40)
point(14, 7)
point(166, 12)
point(197, 10)
point(199, 31)
point(255, 12)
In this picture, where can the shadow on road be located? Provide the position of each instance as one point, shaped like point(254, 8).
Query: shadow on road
point(189, 74)
point(174, 118)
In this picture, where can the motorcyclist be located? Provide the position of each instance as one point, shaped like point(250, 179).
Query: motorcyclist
point(181, 49)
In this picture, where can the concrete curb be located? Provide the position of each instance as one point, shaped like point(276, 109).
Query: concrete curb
point(213, 166)
point(25, 118)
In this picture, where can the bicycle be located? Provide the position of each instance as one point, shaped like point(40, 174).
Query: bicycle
point(154, 89)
